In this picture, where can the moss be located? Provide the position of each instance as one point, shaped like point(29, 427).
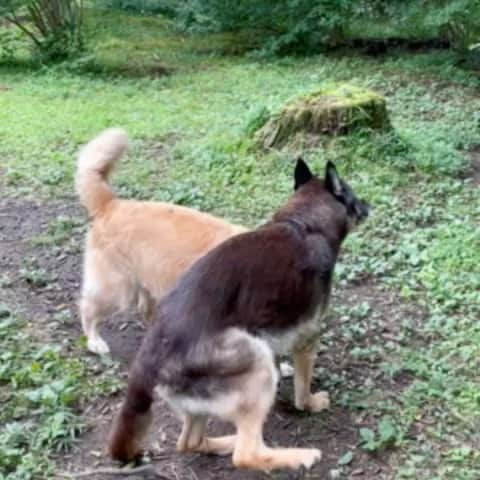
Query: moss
point(332, 110)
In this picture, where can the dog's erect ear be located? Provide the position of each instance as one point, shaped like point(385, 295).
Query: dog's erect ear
point(332, 180)
point(302, 173)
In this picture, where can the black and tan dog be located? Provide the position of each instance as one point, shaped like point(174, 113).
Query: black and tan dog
point(211, 349)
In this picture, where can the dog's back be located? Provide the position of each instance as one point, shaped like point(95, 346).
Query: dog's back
point(153, 243)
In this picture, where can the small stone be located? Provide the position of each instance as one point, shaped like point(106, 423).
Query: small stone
point(335, 473)
point(358, 471)
point(286, 370)
point(4, 311)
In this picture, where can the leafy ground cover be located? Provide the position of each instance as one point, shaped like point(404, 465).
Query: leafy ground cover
point(401, 350)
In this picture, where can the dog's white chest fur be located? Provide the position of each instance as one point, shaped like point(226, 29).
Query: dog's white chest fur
point(300, 337)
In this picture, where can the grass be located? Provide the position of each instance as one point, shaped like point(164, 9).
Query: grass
point(40, 394)
point(191, 144)
point(429, 253)
point(58, 231)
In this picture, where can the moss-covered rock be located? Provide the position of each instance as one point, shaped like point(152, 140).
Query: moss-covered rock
point(332, 110)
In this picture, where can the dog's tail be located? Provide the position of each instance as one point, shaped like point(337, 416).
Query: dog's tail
point(95, 162)
point(132, 422)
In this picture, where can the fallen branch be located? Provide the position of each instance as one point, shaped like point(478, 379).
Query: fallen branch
point(114, 471)
point(14, 20)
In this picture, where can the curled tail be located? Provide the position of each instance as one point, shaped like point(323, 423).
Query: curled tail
point(95, 162)
point(132, 422)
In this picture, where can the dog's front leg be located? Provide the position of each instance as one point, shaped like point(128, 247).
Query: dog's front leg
point(303, 362)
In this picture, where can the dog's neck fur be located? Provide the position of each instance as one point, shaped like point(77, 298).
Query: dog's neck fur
point(267, 280)
point(314, 210)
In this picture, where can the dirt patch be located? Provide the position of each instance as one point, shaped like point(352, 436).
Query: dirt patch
point(25, 243)
point(361, 341)
point(158, 148)
point(21, 223)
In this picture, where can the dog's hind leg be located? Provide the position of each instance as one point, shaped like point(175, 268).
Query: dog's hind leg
point(251, 451)
point(193, 439)
point(91, 314)
point(219, 445)
point(146, 306)
point(132, 422)
point(303, 362)
point(105, 289)
point(242, 380)
point(256, 396)
point(193, 433)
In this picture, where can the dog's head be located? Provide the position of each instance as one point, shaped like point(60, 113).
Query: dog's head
point(356, 209)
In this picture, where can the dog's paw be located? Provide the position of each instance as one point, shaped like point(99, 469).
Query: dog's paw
point(268, 459)
point(302, 458)
point(318, 401)
point(98, 346)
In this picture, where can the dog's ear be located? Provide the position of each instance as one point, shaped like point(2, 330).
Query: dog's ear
point(332, 180)
point(302, 173)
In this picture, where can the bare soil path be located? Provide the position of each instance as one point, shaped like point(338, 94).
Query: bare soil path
point(40, 277)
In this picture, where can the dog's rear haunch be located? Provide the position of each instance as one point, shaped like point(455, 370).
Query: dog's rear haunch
point(211, 349)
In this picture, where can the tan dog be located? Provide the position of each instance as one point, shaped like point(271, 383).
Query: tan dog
point(135, 251)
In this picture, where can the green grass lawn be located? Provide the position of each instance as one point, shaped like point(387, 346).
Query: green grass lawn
point(190, 145)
